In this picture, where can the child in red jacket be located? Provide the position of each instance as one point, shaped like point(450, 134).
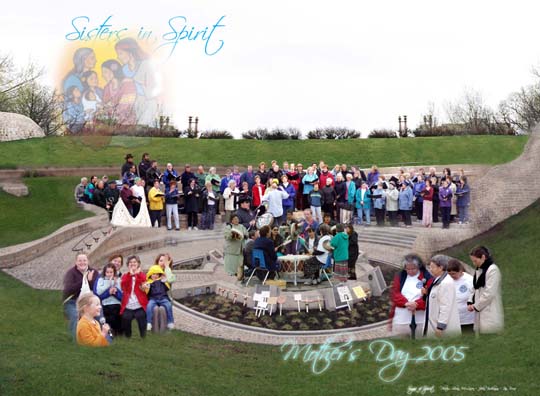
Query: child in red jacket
point(134, 299)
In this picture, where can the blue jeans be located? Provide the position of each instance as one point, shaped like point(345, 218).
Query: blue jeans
point(463, 213)
point(366, 212)
point(163, 302)
point(70, 312)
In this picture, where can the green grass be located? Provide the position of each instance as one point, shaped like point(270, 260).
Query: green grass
point(49, 206)
point(36, 356)
point(98, 151)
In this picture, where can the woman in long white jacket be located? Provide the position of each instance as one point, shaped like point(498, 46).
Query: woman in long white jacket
point(486, 301)
point(442, 315)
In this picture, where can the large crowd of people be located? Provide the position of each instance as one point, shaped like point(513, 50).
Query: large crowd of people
point(278, 212)
point(346, 194)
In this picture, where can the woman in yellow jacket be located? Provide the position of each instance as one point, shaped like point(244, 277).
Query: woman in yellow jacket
point(155, 201)
point(89, 333)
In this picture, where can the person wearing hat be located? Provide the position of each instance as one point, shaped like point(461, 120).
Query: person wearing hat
point(392, 197)
point(128, 164)
point(157, 291)
point(245, 215)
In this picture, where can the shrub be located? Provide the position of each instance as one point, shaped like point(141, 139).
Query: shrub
point(382, 133)
point(256, 134)
point(333, 133)
point(493, 128)
point(274, 134)
point(216, 134)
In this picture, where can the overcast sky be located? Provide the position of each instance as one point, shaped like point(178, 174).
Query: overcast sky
point(305, 64)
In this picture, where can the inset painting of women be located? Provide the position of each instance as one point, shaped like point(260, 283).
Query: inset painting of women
point(136, 67)
point(73, 87)
point(119, 94)
point(92, 95)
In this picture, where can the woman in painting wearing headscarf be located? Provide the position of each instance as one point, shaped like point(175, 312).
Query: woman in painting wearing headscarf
point(119, 94)
point(486, 301)
point(73, 87)
point(136, 66)
point(84, 59)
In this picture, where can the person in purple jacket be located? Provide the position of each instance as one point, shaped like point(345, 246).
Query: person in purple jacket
point(445, 202)
point(463, 200)
point(287, 203)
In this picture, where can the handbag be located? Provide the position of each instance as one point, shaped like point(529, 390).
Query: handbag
point(85, 287)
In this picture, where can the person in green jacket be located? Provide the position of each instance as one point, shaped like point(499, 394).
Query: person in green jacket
point(340, 246)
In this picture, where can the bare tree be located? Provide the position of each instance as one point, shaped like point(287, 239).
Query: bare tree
point(41, 104)
point(13, 80)
point(470, 111)
point(521, 109)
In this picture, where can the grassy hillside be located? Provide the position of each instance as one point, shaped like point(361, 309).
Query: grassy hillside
point(77, 152)
point(37, 356)
point(49, 206)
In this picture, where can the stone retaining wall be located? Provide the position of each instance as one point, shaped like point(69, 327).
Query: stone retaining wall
point(18, 254)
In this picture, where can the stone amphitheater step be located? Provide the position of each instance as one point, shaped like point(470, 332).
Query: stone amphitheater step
point(389, 236)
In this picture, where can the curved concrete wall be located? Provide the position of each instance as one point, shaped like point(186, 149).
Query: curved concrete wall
point(503, 191)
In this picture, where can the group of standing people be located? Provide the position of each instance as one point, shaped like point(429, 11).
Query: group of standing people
point(100, 304)
point(443, 300)
point(347, 195)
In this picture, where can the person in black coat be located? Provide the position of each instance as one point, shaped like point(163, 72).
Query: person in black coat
point(144, 165)
point(191, 195)
point(186, 176)
point(112, 195)
point(353, 250)
point(99, 195)
point(328, 198)
point(152, 174)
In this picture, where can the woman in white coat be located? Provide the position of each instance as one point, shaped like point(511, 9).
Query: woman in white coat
point(442, 316)
point(486, 301)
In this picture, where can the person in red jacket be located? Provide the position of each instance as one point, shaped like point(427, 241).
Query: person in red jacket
point(427, 194)
point(408, 305)
point(257, 191)
point(134, 299)
point(325, 174)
